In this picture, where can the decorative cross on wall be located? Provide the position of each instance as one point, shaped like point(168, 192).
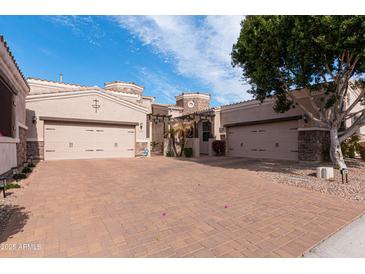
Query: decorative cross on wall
point(96, 105)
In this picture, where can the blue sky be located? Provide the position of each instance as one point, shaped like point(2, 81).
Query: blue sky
point(166, 54)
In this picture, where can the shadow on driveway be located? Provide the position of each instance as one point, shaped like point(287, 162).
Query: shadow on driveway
point(258, 165)
point(12, 220)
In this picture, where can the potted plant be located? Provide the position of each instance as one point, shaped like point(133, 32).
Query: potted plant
point(219, 147)
point(188, 152)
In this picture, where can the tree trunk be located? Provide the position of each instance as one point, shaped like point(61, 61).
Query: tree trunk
point(335, 150)
point(174, 146)
point(182, 146)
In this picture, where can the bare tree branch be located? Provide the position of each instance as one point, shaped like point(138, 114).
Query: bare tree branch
point(358, 99)
point(323, 76)
point(343, 135)
point(309, 113)
point(350, 115)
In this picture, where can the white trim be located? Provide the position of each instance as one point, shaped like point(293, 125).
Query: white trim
point(121, 83)
point(4, 139)
point(312, 128)
point(193, 95)
point(246, 105)
point(71, 94)
point(142, 141)
point(34, 140)
point(22, 125)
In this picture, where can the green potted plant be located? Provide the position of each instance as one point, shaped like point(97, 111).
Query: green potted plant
point(188, 152)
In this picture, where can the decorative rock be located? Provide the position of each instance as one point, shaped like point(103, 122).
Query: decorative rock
point(325, 172)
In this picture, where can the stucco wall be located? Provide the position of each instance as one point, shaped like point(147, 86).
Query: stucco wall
point(7, 155)
point(254, 110)
point(352, 95)
point(13, 77)
point(80, 106)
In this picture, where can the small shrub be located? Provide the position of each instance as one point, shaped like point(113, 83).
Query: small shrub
point(170, 154)
point(362, 151)
point(10, 186)
point(219, 147)
point(27, 169)
point(31, 165)
point(350, 146)
point(20, 176)
point(188, 152)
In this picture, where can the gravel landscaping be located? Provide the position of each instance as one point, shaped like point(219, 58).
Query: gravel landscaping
point(303, 175)
point(8, 206)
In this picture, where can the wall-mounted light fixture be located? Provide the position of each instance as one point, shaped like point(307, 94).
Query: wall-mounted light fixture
point(34, 119)
point(140, 126)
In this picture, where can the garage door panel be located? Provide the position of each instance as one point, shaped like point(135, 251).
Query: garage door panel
point(84, 141)
point(275, 140)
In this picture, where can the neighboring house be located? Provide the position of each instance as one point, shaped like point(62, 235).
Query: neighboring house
point(254, 129)
point(353, 94)
point(13, 90)
point(251, 129)
point(188, 106)
point(68, 121)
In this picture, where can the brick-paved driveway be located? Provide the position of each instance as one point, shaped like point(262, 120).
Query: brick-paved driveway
point(164, 207)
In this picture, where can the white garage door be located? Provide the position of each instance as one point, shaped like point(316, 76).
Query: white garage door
point(84, 141)
point(273, 141)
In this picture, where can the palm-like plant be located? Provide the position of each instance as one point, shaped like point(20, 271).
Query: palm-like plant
point(177, 134)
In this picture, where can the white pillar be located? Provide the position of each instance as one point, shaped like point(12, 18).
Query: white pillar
point(210, 147)
point(196, 147)
point(165, 146)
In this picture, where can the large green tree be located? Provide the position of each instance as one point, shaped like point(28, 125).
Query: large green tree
point(324, 54)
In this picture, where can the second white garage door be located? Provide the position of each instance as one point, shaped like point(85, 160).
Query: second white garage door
point(85, 141)
point(274, 141)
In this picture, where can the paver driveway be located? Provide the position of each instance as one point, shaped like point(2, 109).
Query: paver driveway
point(164, 207)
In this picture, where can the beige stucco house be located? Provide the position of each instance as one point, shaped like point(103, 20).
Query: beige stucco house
point(69, 121)
point(52, 120)
point(13, 90)
point(252, 128)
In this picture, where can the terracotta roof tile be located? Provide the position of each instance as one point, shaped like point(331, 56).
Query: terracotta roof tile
point(2, 40)
point(57, 82)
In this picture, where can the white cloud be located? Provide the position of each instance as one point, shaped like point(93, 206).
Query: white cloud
point(198, 48)
point(160, 83)
point(83, 26)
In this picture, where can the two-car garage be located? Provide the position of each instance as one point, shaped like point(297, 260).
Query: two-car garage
point(85, 124)
point(84, 140)
point(274, 140)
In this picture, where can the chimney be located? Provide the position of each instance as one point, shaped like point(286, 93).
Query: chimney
point(61, 77)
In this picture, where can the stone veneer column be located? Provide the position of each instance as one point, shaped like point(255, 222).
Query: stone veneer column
point(35, 149)
point(21, 147)
point(313, 145)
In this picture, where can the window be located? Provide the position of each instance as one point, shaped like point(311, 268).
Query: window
point(6, 110)
point(206, 131)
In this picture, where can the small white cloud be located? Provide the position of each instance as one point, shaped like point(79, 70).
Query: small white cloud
point(82, 26)
point(199, 50)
